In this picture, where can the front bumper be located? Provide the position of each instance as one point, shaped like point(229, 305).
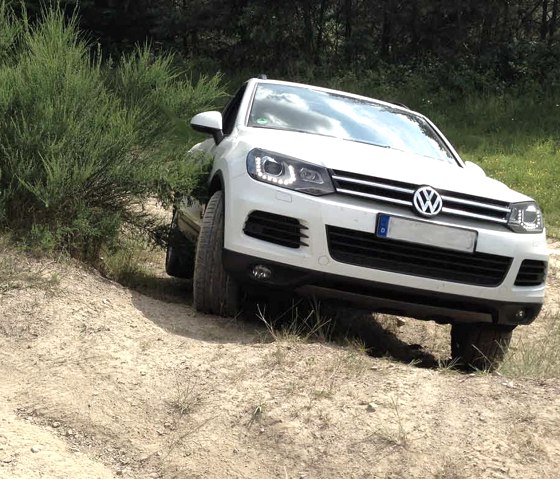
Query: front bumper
point(378, 297)
point(311, 267)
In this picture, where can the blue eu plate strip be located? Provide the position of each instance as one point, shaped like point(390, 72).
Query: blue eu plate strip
point(383, 225)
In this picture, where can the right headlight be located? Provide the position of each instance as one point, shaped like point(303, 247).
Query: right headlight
point(526, 217)
point(289, 173)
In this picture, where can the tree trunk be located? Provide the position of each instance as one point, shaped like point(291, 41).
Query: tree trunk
point(308, 29)
point(386, 33)
point(553, 23)
point(348, 21)
point(414, 24)
point(544, 20)
point(505, 34)
point(320, 31)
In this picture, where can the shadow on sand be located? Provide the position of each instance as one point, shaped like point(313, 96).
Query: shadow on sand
point(167, 302)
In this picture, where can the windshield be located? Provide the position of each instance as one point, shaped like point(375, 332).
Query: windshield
point(293, 108)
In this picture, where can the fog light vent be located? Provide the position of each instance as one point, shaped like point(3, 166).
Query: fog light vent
point(531, 273)
point(277, 229)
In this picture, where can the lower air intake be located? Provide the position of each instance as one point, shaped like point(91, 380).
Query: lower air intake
point(277, 229)
point(531, 273)
point(367, 250)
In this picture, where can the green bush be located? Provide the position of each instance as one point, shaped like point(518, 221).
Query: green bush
point(83, 144)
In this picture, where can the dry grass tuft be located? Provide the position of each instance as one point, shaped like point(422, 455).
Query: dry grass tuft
point(187, 395)
point(301, 322)
point(392, 433)
point(538, 357)
point(451, 469)
point(18, 272)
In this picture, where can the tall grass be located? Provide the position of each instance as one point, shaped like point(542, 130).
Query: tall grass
point(537, 357)
point(83, 143)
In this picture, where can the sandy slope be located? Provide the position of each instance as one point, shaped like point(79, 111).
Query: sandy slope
point(104, 382)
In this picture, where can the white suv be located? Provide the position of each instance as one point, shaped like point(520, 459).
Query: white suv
point(335, 195)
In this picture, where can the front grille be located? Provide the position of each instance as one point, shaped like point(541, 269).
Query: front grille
point(531, 273)
point(366, 249)
point(400, 193)
point(277, 229)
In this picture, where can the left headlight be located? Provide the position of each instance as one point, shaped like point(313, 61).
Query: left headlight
point(526, 217)
point(288, 173)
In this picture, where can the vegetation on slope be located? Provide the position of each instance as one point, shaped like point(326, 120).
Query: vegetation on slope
point(83, 142)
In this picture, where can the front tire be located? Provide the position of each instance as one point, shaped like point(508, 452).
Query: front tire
point(479, 346)
point(214, 291)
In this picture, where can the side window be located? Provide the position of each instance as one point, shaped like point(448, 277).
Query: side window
point(230, 111)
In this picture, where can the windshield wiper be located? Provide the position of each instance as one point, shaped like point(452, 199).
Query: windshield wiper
point(370, 143)
point(296, 130)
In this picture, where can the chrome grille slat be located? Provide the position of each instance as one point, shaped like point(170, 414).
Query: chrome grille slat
point(374, 184)
point(451, 211)
point(400, 193)
point(453, 199)
point(373, 197)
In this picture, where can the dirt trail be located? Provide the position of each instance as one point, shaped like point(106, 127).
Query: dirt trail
point(98, 381)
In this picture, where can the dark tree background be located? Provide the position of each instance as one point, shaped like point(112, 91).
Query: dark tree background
point(508, 39)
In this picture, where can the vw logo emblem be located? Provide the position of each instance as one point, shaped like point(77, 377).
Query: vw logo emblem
point(427, 201)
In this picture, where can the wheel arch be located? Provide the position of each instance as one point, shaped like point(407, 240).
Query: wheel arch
point(216, 183)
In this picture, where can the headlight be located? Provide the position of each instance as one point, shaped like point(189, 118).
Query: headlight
point(288, 173)
point(526, 218)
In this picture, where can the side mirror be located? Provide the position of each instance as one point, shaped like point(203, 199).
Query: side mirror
point(209, 122)
point(474, 168)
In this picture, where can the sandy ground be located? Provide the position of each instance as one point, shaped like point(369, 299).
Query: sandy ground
point(99, 381)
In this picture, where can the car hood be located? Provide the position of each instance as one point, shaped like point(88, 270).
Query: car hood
point(380, 162)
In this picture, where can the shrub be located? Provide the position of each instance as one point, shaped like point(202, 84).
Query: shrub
point(82, 143)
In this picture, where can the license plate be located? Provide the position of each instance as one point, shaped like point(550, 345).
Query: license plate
point(421, 232)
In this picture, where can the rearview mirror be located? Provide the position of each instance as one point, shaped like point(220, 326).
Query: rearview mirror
point(209, 122)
